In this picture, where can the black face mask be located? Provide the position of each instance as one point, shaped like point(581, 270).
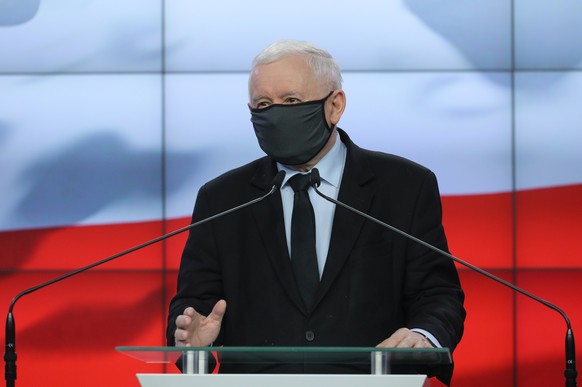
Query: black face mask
point(292, 134)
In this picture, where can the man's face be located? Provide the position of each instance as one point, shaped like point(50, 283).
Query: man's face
point(286, 81)
point(291, 81)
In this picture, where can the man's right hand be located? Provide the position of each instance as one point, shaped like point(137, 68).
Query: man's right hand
point(195, 330)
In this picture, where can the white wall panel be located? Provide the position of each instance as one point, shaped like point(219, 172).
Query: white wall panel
point(224, 35)
point(78, 149)
point(80, 36)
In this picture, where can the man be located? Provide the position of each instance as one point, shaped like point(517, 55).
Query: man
point(238, 284)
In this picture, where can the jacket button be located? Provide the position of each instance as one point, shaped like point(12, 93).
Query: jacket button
point(309, 336)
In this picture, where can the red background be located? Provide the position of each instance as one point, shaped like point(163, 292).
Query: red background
point(67, 333)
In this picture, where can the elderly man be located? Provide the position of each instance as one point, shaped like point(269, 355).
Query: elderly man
point(322, 276)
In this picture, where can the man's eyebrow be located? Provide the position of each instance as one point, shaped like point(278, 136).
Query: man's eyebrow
point(259, 98)
point(288, 94)
point(291, 93)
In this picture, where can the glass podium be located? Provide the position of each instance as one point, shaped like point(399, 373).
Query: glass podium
point(196, 362)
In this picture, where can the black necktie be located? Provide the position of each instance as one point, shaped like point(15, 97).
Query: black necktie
point(303, 256)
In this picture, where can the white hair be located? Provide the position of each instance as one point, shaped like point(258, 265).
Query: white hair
point(324, 67)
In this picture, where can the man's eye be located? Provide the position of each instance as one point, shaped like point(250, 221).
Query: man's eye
point(292, 100)
point(262, 105)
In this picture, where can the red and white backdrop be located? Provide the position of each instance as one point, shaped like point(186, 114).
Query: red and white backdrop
point(112, 114)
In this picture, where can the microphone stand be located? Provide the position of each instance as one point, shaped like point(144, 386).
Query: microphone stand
point(10, 348)
point(570, 373)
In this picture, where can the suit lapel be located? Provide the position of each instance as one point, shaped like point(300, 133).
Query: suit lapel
point(355, 191)
point(269, 220)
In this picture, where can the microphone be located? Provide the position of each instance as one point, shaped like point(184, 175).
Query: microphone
point(10, 349)
point(570, 372)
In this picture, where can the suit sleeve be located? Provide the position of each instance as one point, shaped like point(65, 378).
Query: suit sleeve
point(199, 277)
point(433, 297)
point(433, 294)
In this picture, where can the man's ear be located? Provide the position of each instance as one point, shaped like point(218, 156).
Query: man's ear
point(337, 103)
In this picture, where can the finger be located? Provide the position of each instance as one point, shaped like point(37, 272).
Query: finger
point(422, 343)
point(181, 337)
point(218, 311)
point(413, 340)
point(408, 342)
point(395, 339)
point(183, 321)
point(388, 343)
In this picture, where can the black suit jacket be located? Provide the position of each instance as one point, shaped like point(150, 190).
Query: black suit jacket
point(374, 280)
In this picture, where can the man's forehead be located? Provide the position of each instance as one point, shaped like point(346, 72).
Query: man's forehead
point(281, 77)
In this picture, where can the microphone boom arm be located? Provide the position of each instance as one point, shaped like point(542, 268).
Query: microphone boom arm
point(570, 372)
point(10, 347)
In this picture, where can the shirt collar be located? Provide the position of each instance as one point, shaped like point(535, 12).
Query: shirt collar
point(330, 167)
